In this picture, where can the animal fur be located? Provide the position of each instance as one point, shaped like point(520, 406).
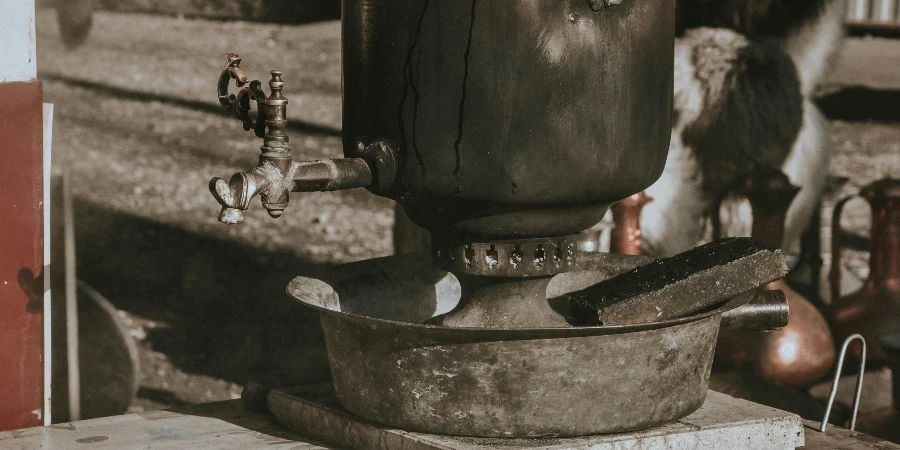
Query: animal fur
point(744, 74)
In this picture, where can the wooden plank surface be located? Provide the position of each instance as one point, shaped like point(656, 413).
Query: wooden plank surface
point(21, 255)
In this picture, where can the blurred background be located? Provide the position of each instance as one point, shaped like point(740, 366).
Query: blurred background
point(139, 129)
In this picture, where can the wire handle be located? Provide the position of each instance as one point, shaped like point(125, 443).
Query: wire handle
point(837, 377)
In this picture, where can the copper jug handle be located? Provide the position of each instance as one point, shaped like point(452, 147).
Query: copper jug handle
point(834, 272)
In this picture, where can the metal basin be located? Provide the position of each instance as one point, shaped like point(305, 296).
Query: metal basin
point(388, 368)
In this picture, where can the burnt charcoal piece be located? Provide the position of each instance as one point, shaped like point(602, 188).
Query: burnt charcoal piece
point(672, 287)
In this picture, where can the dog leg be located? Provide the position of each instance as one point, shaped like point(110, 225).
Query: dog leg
point(807, 167)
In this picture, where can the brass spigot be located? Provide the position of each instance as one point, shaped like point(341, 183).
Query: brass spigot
point(277, 175)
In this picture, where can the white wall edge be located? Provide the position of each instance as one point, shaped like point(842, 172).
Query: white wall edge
point(19, 43)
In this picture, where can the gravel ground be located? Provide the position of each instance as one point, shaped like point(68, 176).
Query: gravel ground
point(137, 127)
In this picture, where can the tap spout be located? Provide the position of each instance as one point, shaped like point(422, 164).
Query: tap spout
point(266, 180)
point(277, 174)
point(235, 196)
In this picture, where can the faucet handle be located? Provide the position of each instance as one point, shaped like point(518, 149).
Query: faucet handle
point(240, 104)
point(227, 196)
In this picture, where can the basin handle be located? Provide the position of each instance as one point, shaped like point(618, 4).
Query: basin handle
point(766, 311)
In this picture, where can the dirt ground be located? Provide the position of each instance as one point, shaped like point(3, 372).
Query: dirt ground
point(138, 127)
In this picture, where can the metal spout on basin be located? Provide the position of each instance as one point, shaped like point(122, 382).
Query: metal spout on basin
point(768, 311)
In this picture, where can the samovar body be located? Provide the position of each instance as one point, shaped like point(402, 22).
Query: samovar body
point(510, 119)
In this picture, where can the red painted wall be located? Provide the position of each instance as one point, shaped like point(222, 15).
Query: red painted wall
point(21, 255)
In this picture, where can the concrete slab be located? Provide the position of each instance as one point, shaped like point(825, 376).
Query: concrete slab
point(228, 425)
point(722, 422)
point(220, 425)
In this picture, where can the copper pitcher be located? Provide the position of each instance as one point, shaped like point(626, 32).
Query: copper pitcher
point(625, 236)
point(875, 308)
point(802, 352)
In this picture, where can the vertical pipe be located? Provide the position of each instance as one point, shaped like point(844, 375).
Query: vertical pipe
point(71, 302)
point(883, 11)
point(860, 10)
point(48, 357)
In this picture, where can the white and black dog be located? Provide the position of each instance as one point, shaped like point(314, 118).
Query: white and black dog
point(745, 71)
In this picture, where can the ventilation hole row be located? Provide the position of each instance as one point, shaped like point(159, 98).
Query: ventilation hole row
point(517, 256)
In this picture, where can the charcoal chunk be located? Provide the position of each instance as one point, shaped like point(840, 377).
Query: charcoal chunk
point(673, 287)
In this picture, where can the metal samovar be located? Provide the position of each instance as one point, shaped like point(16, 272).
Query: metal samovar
point(505, 130)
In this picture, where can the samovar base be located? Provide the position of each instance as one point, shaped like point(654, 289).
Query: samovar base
point(504, 283)
point(489, 302)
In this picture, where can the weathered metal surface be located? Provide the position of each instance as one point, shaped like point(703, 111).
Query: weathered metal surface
point(389, 368)
point(583, 91)
point(477, 94)
point(468, 385)
point(489, 302)
point(672, 287)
